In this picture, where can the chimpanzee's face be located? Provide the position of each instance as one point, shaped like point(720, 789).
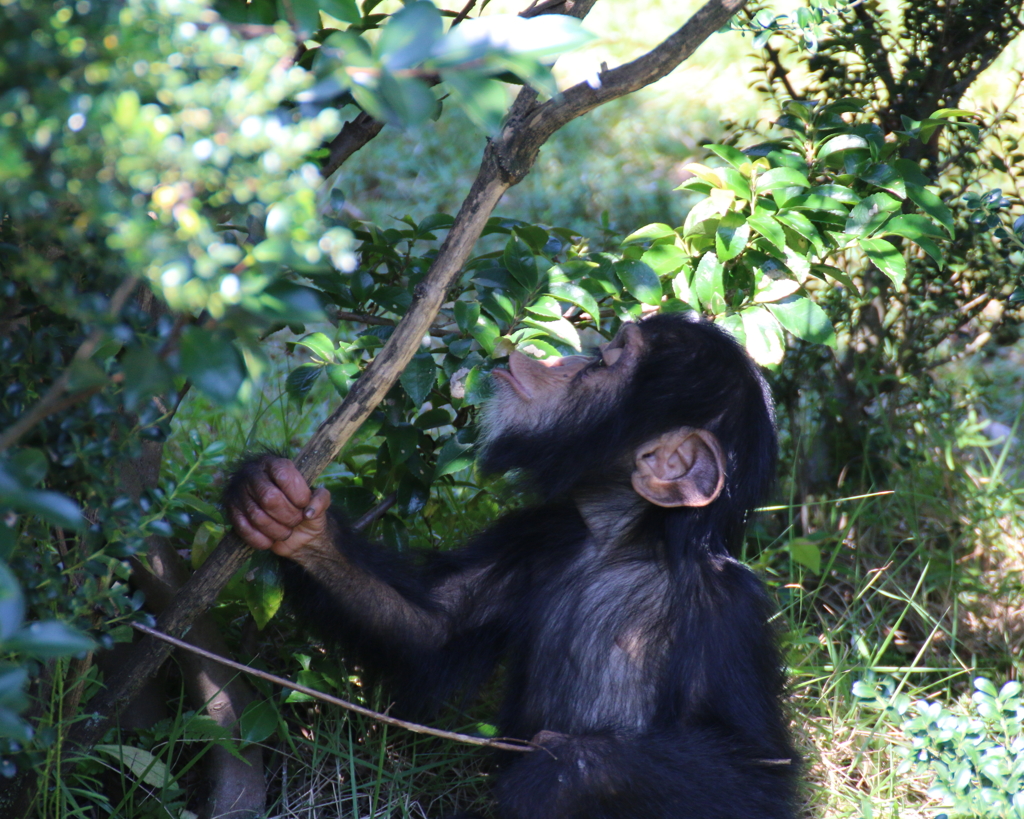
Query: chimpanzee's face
point(536, 396)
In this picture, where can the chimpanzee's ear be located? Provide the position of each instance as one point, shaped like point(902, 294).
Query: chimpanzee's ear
point(685, 467)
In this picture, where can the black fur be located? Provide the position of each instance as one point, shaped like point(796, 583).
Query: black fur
point(654, 660)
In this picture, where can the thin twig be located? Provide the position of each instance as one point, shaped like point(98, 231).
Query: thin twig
point(502, 744)
point(462, 15)
point(51, 402)
point(376, 512)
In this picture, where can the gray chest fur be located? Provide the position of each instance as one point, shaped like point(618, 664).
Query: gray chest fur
point(600, 648)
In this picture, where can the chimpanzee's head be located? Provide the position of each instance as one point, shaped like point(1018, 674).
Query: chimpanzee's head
point(673, 403)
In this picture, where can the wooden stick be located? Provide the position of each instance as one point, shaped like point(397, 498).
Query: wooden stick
point(502, 743)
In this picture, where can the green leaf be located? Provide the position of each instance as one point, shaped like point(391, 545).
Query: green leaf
point(560, 329)
point(732, 236)
point(546, 308)
point(263, 589)
point(466, 315)
point(833, 150)
point(814, 202)
point(481, 98)
point(28, 466)
point(803, 226)
point(258, 721)
point(53, 507)
point(931, 204)
point(804, 319)
point(453, 457)
point(320, 345)
point(409, 100)
point(409, 36)
point(486, 333)
point(340, 376)
point(49, 638)
point(781, 178)
point(84, 375)
point(665, 259)
point(433, 418)
point(911, 173)
point(888, 259)
point(764, 341)
point(478, 387)
point(499, 306)
point(145, 375)
point(434, 222)
point(871, 214)
point(708, 282)
point(402, 440)
point(12, 689)
point(649, 233)
point(912, 226)
point(301, 380)
point(574, 294)
point(519, 260)
point(681, 288)
point(734, 157)
point(821, 270)
point(345, 10)
point(12, 604)
point(769, 290)
point(737, 183)
point(770, 229)
point(886, 177)
point(806, 553)
point(211, 362)
point(840, 193)
point(734, 324)
point(291, 303)
point(419, 377)
point(143, 765)
point(639, 280)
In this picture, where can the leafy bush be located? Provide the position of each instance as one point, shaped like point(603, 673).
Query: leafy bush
point(974, 749)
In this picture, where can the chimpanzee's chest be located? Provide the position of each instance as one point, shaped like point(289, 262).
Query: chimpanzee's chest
point(599, 641)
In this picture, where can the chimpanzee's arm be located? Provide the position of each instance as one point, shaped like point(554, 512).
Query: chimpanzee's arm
point(427, 624)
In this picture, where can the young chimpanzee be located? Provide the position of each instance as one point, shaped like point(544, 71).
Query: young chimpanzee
point(639, 651)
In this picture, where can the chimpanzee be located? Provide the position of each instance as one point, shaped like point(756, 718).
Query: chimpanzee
point(638, 651)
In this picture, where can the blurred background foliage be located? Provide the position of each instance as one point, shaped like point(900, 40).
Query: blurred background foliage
point(837, 184)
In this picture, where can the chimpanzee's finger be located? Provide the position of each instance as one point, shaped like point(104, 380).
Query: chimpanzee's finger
point(265, 494)
point(264, 523)
point(247, 531)
point(289, 480)
point(318, 504)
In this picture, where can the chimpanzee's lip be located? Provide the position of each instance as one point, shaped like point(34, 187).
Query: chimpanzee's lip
point(512, 381)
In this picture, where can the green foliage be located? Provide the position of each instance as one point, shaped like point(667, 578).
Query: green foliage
point(974, 750)
point(391, 79)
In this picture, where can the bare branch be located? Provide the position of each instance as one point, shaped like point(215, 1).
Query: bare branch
point(503, 744)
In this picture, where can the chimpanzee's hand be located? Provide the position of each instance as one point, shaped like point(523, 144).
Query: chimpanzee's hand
point(272, 507)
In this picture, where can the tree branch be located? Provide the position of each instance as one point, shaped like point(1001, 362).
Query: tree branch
point(353, 136)
point(507, 159)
